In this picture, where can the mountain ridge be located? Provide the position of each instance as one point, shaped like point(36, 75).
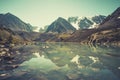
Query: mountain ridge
point(12, 22)
point(86, 22)
point(60, 26)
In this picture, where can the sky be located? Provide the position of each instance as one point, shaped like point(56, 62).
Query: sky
point(44, 12)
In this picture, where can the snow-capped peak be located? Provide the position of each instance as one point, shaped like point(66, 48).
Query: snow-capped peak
point(86, 22)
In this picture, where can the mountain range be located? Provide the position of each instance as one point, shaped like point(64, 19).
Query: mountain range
point(86, 22)
point(97, 29)
point(76, 22)
point(107, 32)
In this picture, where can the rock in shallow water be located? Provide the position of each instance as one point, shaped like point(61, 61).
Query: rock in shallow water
point(3, 76)
point(73, 76)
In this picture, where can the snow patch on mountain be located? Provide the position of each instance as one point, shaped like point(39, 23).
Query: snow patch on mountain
point(75, 25)
point(93, 26)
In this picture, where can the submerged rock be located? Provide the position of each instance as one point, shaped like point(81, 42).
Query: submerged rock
point(3, 76)
point(73, 76)
point(10, 67)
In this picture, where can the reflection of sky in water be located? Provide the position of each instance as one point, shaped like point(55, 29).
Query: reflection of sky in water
point(72, 61)
point(39, 63)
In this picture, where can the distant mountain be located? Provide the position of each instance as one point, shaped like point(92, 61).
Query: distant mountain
point(86, 22)
point(107, 32)
point(14, 23)
point(60, 26)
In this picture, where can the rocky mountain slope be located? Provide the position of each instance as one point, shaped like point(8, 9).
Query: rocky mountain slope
point(7, 36)
point(14, 23)
point(28, 36)
point(60, 26)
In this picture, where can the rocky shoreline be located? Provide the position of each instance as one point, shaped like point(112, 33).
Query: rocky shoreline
point(6, 58)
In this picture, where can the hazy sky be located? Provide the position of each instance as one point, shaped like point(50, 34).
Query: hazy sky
point(43, 12)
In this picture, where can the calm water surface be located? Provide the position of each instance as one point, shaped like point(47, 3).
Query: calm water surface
point(65, 61)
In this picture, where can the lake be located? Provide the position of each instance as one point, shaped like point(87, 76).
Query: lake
point(64, 61)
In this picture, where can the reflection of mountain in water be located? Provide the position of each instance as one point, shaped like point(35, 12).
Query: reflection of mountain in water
point(67, 61)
